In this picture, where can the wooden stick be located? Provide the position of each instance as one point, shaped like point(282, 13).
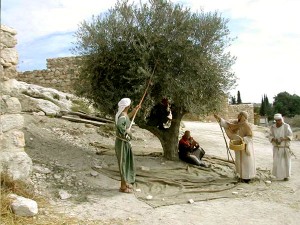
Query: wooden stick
point(228, 151)
point(142, 99)
point(86, 116)
point(73, 119)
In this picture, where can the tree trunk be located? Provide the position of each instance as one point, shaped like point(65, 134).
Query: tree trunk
point(169, 137)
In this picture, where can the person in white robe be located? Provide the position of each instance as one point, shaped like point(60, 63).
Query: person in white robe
point(244, 159)
point(280, 136)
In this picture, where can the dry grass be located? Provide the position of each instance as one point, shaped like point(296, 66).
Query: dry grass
point(47, 214)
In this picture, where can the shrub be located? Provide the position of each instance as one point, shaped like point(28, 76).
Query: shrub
point(294, 121)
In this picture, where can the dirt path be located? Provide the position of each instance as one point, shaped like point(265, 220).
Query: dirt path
point(69, 150)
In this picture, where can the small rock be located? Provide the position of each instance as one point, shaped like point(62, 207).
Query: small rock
point(138, 190)
point(191, 201)
point(94, 173)
point(235, 193)
point(42, 170)
point(64, 195)
point(57, 176)
point(268, 182)
point(40, 113)
point(98, 167)
point(144, 168)
point(261, 188)
point(24, 207)
point(149, 197)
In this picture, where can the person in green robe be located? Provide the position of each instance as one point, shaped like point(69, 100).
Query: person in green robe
point(123, 146)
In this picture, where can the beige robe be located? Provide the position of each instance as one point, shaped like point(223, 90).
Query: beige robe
point(282, 162)
point(245, 159)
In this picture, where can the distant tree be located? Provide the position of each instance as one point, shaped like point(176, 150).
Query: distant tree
point(233, 100)
point(239, 100)
point(184, 54)
point(256, 109)
point(286, 104)
point(262, 110)
point(266, 108)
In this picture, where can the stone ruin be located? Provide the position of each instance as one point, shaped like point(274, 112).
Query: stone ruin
point(14, 161)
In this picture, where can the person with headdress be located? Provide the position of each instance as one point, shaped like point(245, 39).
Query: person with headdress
point(123, 146)
point(280, 136)
point(161, 115)
point(244, 159)
point(190, 151)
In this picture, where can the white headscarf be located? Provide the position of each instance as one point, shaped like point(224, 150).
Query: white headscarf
point(123, 103)
point(278, 116)
point(245, 114)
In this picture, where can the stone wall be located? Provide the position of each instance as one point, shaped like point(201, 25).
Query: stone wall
point(14, 161)
point(233, 111)
point(60, 74)
point(8, 53)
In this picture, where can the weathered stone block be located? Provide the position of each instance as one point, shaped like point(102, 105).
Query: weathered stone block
point(17, 165)
point(13, 105)
point(9, 55)
point(10, 122)
point(12, 141)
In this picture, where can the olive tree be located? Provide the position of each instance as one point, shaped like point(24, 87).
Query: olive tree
point(182, 53)
point(287, 104)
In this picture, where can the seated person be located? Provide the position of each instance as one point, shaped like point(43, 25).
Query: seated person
point(161, 115)
point(190, 151)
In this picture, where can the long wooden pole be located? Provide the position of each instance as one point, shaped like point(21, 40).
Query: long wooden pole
point(228, 151)
point(142, 99)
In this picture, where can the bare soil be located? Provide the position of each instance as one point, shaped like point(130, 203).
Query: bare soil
point(70, 151)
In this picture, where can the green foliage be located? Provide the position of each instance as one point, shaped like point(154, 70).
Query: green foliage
point(233, 100)
point(266, 108)
point(256, 110)
point(287, 104)
point(262, 110)
point(183, 53)
point(80, 105)
point(56, 96)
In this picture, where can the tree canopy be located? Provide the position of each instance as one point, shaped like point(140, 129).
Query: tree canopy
point(287, 104)
point(184, 50)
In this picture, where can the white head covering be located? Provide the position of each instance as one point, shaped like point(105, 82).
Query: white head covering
point(278, 116)
point(123, 103)
point(245, 114)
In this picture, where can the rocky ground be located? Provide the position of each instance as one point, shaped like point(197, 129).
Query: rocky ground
point(64, 154)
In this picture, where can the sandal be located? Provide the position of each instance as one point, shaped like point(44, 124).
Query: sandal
point(125, 190)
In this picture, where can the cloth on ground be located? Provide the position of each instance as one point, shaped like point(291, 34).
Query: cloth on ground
point(177, 183)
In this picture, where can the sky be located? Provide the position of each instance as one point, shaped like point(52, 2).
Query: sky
point(266, 32)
